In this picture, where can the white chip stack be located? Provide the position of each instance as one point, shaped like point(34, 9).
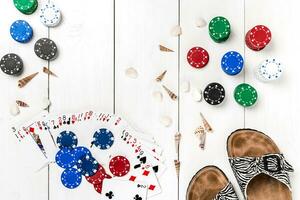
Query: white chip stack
point(50, 15)
point(269, 70)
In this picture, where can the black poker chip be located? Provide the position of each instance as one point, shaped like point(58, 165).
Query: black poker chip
point(214, 93)
point(11, 64)
point(45, 49)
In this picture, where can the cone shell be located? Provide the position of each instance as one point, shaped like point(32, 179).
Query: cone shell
point(177, 167)
point(21, 103)
point(165, 49)
point(47, 71)
point(177, 141)
point(161, 76)
point(22, 82)
point(206, 125)
point(170, 93)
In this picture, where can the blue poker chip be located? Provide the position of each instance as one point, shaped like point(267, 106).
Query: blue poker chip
point(232, 63)
point(71, 178)
point(67, 139)
point(80, 152)
point(65, 158)
point(103, 138)
point(21, 31)
point(87, 165)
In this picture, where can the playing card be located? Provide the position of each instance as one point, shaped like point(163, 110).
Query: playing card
point(123, 190)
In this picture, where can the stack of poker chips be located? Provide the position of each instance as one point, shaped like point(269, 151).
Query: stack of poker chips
point(219, 29)
point(26, 7)
point(269, 70)
point(258, 37)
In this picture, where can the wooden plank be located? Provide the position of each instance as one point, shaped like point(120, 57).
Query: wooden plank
point(141, 26)
point(276, 112)
point(224, 118)
point(85, 72)
point(18, 179)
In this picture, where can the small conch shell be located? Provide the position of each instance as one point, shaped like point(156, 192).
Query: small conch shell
point(14, 109)
point(177, 142)
point(165, 49)
point(22, 82)
point(177, 167)
point(201, 134)
point(47, 71)
point(206, 125)
point(196, 94)
point(170, 93)
point(157, 96)
point(21, 103)
point(161, 76)
point(200, 22)
point(176, 31)
point(131, 73)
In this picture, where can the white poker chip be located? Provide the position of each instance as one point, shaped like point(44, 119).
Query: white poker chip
point(50, 15)
point(269, 70)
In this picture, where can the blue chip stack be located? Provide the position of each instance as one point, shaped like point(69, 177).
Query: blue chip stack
point(232, 63)
point(21, 31)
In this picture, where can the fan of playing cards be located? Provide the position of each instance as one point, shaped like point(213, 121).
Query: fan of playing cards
point(101, 148)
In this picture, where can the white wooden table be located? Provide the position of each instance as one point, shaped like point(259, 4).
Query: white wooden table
point(98, 40)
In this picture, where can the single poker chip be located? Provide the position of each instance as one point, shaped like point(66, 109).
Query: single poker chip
point(26, 6)
point(98, 177)
point(197, 57)
point(214, 93)
point(269, 70)
point(245, 95)
point(65, 158)
point(232, 63)
point(103, 138)
point(219, 29)
point(71, 178)
point(45, 49)
point(119, 166)
point(50, 15)
point(87, 165)
point(11, 64)
point(67, 139)
point(21, 31)
point(258, 37)
point(98, 187)
point(80, 151)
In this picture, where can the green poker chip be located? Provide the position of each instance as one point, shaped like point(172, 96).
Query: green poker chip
point(219, 29)
point(26, 6)
point(245, 95)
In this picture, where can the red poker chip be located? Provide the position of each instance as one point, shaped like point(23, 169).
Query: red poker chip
point(98, 177)
point(98, 187)
point(197, 57)
point(119, 166)
point(258, 37)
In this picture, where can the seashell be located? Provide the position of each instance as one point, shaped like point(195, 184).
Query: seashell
point(185, 86)
point(166, 120)
point(161, 76)
point(22, 82)
point(177, 141)
point(176, 31)
point(196, 95)
point(206, 125)
point(201, 134)
point(45, 103)
point(165, 49)
point(47, 71)
point(170, 93)
point(131, 73)
point(200, 22)
point(177, 167)
point(21, 103)
point(14, 109)
point(157, 96)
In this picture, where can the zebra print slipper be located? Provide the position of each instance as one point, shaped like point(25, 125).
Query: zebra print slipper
point(210, 183)
point(259, 167)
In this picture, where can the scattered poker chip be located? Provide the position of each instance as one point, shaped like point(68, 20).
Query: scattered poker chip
point(21, 31)
point(26, 6)
point(219, 29)
point(98, 187)
point(269, 70)
point(103, 138)
point(71, 178)
point(98, 177)
point(197, 57)
point(65, 158)
point(11, 64)
point(87, 165)
point(45, 49)
point(258, 37)
point(245, 95)
point(50, 15)
point(214, 93)
point(232, 63)
point(80, 151)
point(67, 139)
point(119, 166)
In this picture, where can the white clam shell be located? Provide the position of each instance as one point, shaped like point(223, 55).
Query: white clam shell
point(196, 94)
point(131, 73)
point(157, 96)
point(45, 103)
point(200, 22)
point(185, 86)
point(176, 31)
point(14, 109)
point(166, 120)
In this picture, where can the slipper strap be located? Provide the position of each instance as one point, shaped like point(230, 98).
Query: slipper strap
point(274, 165)
point(227, 193)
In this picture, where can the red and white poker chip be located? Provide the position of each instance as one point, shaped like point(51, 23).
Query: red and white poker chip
point(258, 37)
point(197, 57)
point(119, 166)
point(98, 177)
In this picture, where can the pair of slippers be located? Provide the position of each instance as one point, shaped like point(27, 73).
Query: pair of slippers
point(259, 167)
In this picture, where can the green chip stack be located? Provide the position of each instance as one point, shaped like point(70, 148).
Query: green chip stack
point(219, 29)
point(245, 95)
point(26, 7)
